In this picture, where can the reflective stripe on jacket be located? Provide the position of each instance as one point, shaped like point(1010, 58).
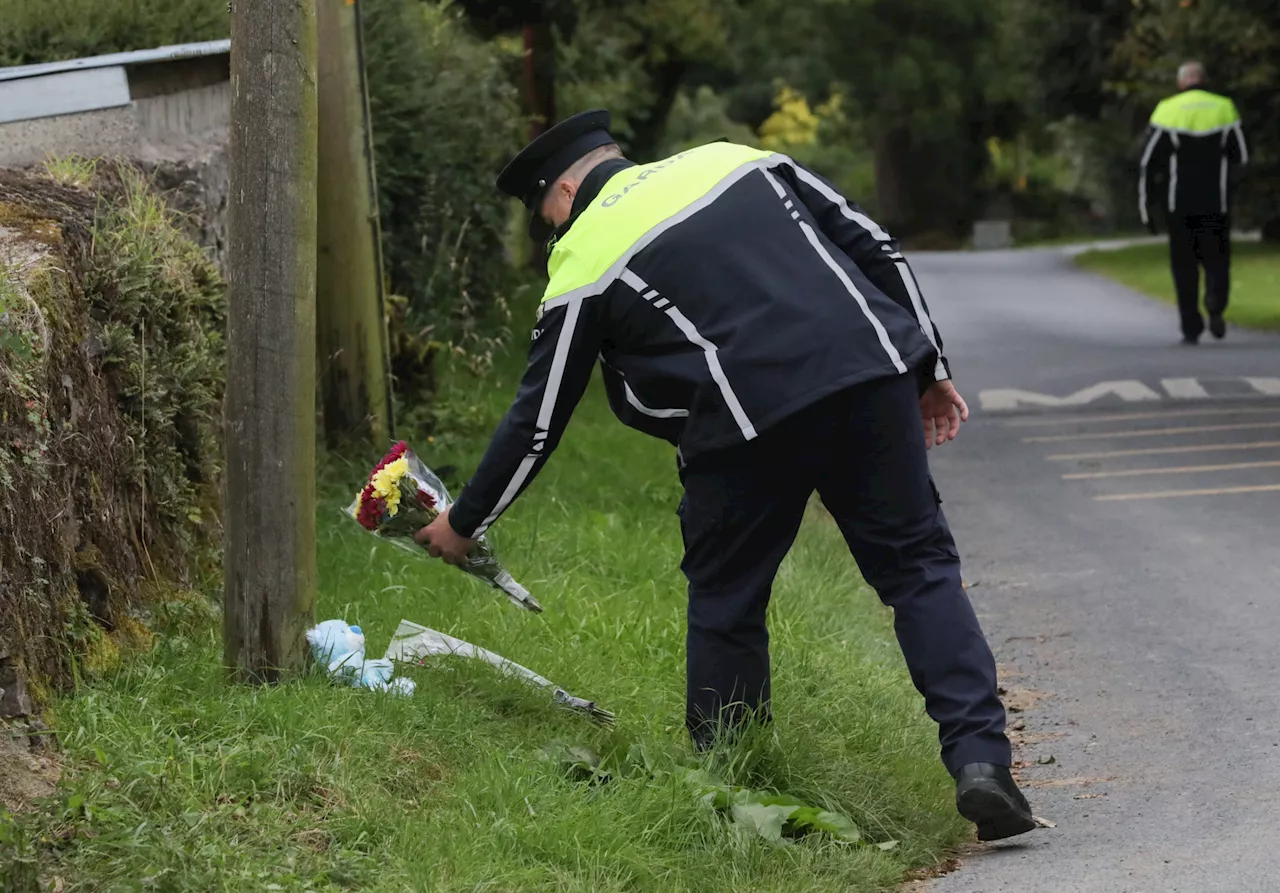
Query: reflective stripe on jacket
point(721, 290)
point(1192, 143)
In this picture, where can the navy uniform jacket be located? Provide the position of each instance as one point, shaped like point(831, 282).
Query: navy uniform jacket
point(1194, 143)
point(722, 290)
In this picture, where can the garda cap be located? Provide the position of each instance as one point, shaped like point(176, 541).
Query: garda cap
point(538, 164)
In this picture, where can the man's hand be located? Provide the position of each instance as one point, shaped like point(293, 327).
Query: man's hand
point(942, 409)
point(442, 541)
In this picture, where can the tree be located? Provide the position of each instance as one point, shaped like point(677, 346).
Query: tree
point(921, 75)
point(538, 21)
point(634, 56)
point(269, 511)
point(351, 319)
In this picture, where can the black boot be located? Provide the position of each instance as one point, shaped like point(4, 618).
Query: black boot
point(1217, 326)
point(987, 795)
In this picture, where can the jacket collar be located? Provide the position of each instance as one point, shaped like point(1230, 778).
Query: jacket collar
point(592, 183)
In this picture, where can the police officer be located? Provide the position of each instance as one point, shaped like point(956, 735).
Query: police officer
point(1194, 143)
point(744, 311)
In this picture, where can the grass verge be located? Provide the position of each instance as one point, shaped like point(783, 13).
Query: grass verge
point(174, 781)
point(1255, 278)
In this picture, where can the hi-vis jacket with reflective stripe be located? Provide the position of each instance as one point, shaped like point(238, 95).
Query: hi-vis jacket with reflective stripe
point(1193, 141)
point(722, 289)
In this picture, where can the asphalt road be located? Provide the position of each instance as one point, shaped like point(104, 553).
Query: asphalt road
point(1117, 504)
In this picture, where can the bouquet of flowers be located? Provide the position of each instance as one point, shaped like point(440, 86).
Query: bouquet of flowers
point(414, 643)
point(402, 496)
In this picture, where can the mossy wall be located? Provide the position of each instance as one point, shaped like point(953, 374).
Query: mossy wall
point(111, 380)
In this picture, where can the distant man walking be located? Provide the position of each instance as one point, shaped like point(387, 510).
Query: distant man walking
point(1194, 143)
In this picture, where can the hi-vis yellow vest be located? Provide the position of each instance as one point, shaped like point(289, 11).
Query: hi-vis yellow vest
point(1195, 113)
point(634, 207)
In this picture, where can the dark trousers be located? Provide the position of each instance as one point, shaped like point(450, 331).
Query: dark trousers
point(863, 451)
point(1195, 241)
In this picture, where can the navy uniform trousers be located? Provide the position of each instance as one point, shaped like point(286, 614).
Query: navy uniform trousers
point(863, 451)
point(1195, 241)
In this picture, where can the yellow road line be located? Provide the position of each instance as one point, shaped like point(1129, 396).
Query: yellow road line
point(1136, 416)
point(1164, 451)
point(1183, 469)
point(1175, 494)
point(1150, 432)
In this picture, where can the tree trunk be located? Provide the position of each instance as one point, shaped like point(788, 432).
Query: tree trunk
point(649, 126)
point(351, 320)
point(539, 76)
point(926, 187)
point(892, 199)
point(270, 409)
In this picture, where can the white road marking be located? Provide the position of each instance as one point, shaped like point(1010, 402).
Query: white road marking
point(1181, 469)
point(1057, 421)
point(1268, 386)
point(1128, 390)
point(1176, 494)
point(1149, 432)
point(1011, 398)
point(1164, 451)
point(1184, 388)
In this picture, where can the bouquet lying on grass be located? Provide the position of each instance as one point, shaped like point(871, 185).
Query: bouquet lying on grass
point(413, 643)
point(402, 496)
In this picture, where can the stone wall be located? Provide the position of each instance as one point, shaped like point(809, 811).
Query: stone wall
point(181, 138)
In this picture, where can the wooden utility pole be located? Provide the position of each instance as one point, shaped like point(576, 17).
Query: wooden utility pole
point(355, 371)
point(269, 513)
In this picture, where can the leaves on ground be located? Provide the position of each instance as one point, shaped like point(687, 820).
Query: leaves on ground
point(775, 817)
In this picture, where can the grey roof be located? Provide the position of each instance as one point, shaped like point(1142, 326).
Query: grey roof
point(137, 57)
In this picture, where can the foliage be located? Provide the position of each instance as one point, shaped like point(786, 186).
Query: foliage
point(111, 377)
point(1061, 50)
point(927, 79)
point(445, 120)
point(634, 56)
point(175, 776)
point(49, 30)
point(824, 138)
point(162, 310)
point(699, 116)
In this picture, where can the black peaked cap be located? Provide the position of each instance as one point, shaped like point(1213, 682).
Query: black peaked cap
point(538, 164)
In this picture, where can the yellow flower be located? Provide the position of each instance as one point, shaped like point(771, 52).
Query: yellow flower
point(386, 483)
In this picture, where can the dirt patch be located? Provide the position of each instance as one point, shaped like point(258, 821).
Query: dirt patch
point(921, 879)
point(1079, 781)
point(1020, 700)
point(26, 775)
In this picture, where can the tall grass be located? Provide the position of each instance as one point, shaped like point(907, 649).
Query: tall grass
point(177, 782)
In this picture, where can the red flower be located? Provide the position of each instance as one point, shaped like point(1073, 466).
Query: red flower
point(426, 500)
point(396, 452)
point(372, 508)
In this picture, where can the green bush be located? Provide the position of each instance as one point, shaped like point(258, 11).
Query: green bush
point(52, 30)
point(111, 387)
point(446, 116)
point(445, 119)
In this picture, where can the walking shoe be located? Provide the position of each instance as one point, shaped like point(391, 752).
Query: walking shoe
point(1218, 326)
point(987, 795)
